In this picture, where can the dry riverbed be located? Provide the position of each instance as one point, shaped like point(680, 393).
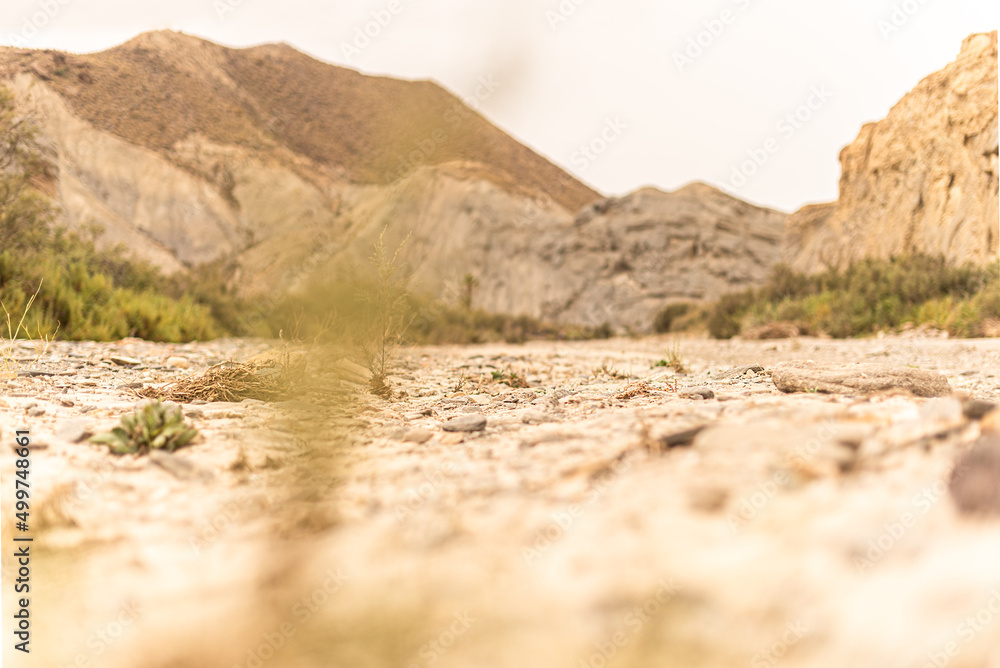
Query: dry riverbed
point(548, 504)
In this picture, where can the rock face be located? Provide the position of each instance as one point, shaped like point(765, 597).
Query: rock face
point(188, 153)
point(632, 254)
point(618, 261)
point(923, 180)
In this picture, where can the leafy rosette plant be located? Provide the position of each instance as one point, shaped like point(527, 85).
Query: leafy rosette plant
point(152, 426)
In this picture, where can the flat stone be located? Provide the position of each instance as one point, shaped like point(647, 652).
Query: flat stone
point(36, 411)
point(72, 431)
point(178, 362)
point(466, 423)
point(122, 360)
point(532, 416)
point(179, 467)
point(975, 480)
point(417, 436)
point(857, 379)
point(452, 439)
point(681, 438)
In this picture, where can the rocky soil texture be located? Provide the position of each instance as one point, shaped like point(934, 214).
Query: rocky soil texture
point(549, 504)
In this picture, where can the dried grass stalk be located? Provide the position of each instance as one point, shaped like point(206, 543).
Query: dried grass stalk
point(228, 381)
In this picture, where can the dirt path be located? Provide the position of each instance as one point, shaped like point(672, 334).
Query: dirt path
point(587, 525)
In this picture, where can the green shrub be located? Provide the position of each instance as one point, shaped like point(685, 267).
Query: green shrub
point(669, 315)
point(866, 297)
point(83, 293)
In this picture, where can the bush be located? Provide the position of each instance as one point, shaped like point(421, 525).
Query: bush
point(82, 293)
point(867, 297)
point(669, 315)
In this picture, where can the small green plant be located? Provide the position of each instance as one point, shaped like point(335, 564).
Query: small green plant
point(152, 426)
point(608, 369)
point(673, 360)
point(510, 377)
point(387, 319)
point(469, 285)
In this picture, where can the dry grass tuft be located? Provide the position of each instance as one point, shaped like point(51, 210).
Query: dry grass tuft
point(9, 364)
point(266, 380)
point(639, 388)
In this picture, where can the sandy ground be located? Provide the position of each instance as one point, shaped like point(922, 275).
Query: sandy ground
point(593, 522)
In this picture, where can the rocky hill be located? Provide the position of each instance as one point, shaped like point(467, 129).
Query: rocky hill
point(923, 180)
point(189, 152)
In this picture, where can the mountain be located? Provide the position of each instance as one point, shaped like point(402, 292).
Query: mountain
point(923, 180)
point(289, 168)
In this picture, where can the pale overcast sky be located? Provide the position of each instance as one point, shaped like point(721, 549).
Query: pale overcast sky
point(570, 71)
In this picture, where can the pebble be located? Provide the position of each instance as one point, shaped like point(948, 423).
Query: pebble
point(976, 409)
point(72, 431)
point(417, 436)
point(853, 379)
point(973, 484)
point(121, 360)
point(36, 411)
point(452, 439)
point(681, 438)
point(532, 416)
point(178, 362)
point(698, 393)
point(179, 467)
point(466, 423)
